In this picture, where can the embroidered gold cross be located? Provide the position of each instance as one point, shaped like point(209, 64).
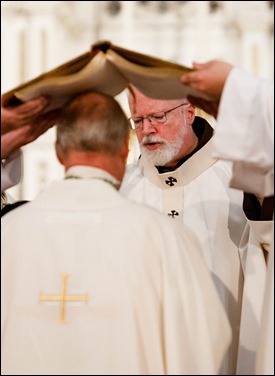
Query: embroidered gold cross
point(63, 298)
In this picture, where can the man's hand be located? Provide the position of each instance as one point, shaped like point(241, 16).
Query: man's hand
point(209, 79)
point(23, 114)
point(18, 137)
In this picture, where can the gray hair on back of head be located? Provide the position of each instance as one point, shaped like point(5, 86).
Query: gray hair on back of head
point(92, 122)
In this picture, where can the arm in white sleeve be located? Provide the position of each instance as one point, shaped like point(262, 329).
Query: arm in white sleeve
point(245, 131)
point(11, 170)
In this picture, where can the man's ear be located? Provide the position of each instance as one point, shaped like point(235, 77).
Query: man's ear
point(190, 113)
point(125, 148)
point(57, 152)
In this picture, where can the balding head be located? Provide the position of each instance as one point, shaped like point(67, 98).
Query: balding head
point(92, 129)
point(92, 122)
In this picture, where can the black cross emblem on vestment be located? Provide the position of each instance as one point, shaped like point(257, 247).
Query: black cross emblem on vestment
point(170, 181)
point(173, 213)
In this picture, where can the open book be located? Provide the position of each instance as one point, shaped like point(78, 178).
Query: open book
point(105, 68)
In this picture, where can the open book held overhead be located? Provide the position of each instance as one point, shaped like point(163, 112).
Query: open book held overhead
point(105, 68)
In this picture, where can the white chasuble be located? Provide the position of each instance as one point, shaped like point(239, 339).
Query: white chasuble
point(93, 284)
point(197, 195)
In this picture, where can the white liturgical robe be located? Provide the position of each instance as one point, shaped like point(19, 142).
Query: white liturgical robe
point(245, 135)
point(11, 170)
point(245, 131)
point(95, 284)
point(197, 195)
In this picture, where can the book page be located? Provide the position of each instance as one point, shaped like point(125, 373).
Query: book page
point(145, 60)
point(108, 69)
point(159, 82)
point(98, 75)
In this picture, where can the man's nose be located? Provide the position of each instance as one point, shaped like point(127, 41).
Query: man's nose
point(147, 127)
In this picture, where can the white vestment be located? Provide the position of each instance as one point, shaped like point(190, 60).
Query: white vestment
point(197, 195)
point(96, 284)
point(254, 268)
point(11, 170)
point(245, 131)
point(245, 135)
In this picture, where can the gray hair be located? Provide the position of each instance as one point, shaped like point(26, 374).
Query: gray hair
point(92, 122)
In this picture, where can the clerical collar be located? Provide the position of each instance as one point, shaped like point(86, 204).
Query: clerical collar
point(203, 131)
point(91, 173)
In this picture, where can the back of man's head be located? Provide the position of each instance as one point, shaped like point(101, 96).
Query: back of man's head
point(92, 122)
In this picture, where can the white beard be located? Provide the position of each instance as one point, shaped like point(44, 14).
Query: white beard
point(167, 151)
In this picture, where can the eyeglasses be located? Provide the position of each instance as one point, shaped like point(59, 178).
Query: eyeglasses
point(154, 119)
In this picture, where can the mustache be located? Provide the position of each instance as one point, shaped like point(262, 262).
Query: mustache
point(151, 139)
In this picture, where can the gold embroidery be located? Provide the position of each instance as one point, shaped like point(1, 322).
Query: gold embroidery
point(63, 298)
point(4, 199)
point(116, 186)
point(265, 248)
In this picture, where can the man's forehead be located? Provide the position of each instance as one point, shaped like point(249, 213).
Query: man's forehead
point(143, 103)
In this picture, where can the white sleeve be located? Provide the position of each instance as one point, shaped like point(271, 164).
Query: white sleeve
point(11, 170)
point(245, 131)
